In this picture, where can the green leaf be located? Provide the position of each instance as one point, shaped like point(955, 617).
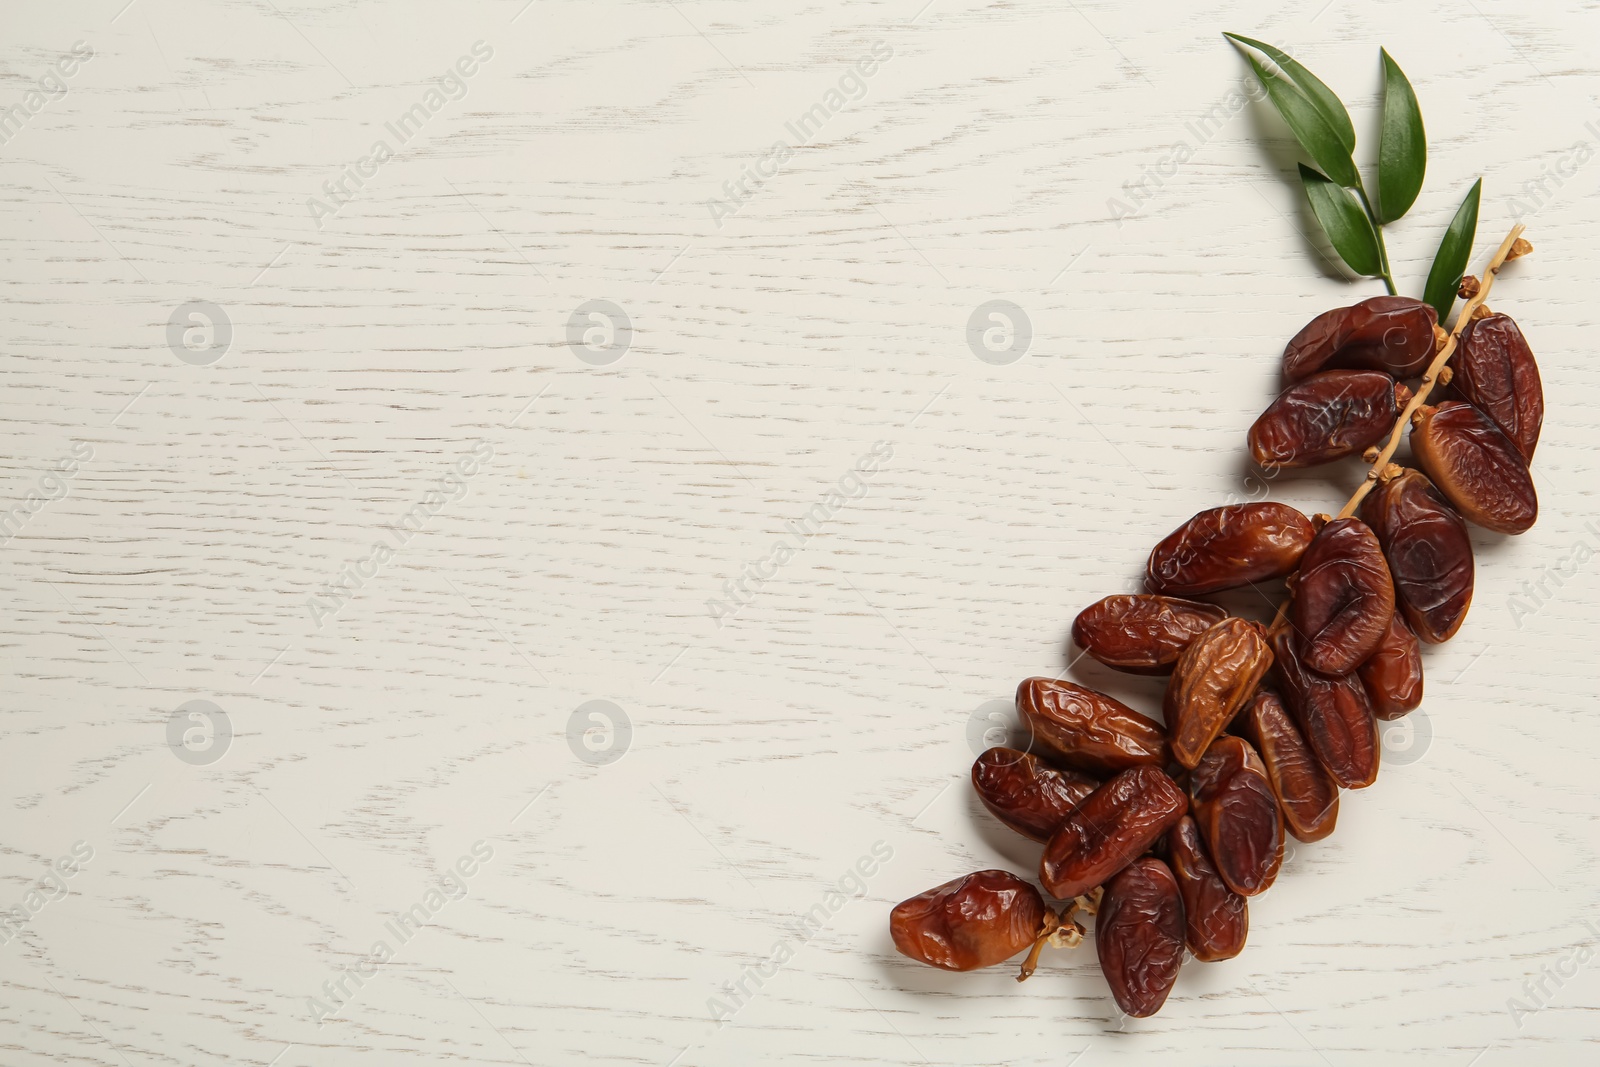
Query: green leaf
point(1309, 126)
point(1402, 145)
point(1451, 262)
point(1346, 224)
point(1320, 95)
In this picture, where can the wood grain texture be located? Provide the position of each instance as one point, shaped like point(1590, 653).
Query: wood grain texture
point(771, 349)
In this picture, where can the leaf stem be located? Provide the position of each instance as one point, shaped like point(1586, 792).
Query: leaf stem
point(1377, 229)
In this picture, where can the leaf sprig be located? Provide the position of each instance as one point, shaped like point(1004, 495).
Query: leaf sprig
point(1334, 186)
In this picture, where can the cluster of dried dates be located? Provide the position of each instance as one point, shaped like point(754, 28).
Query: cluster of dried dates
point(1163, 830)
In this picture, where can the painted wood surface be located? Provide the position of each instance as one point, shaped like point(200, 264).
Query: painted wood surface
point(421, 502)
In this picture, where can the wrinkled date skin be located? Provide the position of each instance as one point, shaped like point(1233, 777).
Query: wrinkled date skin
point(1475, 466)
point(1142, 633)
point(1139, 936)
point(1343, 597)
point(1327, 416)
point(1334, 715)
point(1237, 812)
point(1026, 793)
point(1307, 795)
point(1393, 674)
point(1429, 553)
point(1216, 919)
point(976, 921)
point(1387, 333)
point(1495, 373)
point(1109, 830)
point(1228, 547)
point(1089, 730)
point(1213, 679)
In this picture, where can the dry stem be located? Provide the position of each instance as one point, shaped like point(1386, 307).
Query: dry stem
point(1432, 376)
point(1438, 373)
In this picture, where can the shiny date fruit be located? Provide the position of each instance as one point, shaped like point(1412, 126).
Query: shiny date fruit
point(1327, 416)
point(1387, 333)
point(1139, 936)
point(1475, 466)
point(966, 923)
point(1110, 830)
point(1088, 730)
point(1142, 633)
point(1393, 674)
point(1429, 553)
point(1228, 547)
point(1234, 806)
point(1216, 919)
point(1027, 794)
point(1214, 677)
point(1334, 715)
point(1495, 373)
point(1307, 795)
point(1343, 597)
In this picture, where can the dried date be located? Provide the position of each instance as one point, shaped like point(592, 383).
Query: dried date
point(1475, 466)
point(1227, 547)
point(1307, 795)
point(1343, 597)
point(1139, 936)
point(1109, 830)
point(1142, 633)
point(1495, 372)
point(976, 921)
point(1387, 333)
point(1327, 416)
point(1216, 919)
point(1393, 674)
point(1237, 812)
point(1089, 730)
point(1334, 715)
point(1213, 679)
point(1027, 794)
point(1429, 553)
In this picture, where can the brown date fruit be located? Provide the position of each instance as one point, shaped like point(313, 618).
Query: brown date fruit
point(1429, 553)
point(1237, 812)
point(975, 921)
point(1387, 333)
point(1495, 373)
point(1307, 795)
point(1027, 794)
point(1089, 730)
point(1142, 633)
point(1393, 674)
point(1139, 936)
point(1216, 919)
point(1343, 597)
point(1327, 416)
point(1228, 547)
point(1475, 466)
point(1213, 679)
point(1109, 830)
point(1334, 715)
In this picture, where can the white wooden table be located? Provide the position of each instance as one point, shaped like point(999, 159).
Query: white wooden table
point(396, 829)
